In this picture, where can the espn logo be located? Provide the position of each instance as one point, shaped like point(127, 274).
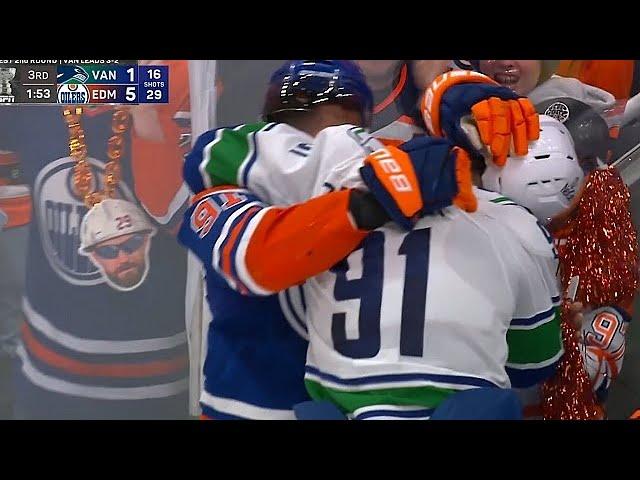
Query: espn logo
point(390, 166)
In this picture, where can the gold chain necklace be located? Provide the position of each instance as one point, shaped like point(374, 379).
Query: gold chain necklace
point(82, 173)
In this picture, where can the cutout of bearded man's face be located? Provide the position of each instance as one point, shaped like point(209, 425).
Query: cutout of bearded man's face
point(123, 259)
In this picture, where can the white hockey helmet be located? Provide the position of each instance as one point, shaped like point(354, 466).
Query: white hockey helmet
point(546, 179)
point(109, 219)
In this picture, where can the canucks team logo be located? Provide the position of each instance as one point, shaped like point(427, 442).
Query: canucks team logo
point(71, 74)
point(73, 93)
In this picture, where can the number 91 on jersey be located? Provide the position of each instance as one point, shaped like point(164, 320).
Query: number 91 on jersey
point(153, 84)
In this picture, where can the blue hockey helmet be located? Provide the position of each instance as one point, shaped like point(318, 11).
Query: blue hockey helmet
point(299, 85)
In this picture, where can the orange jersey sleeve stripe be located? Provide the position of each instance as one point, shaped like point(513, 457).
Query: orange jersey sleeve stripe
point(233, 238)
point(8, 158)
point(606, 357)
point(17, 209)
point(406, 119)
point(394, 93)
point(70, 365)
point(196, 198)
point(290, 245)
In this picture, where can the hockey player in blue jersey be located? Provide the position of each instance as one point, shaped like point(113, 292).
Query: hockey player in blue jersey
point(254, 365)
point(255, 362)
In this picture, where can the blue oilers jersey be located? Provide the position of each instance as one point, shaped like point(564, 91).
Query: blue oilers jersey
point(254, 368)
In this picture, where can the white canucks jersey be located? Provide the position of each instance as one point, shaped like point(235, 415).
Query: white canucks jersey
point(304, 161)
point(461, 301)
point(279, 163)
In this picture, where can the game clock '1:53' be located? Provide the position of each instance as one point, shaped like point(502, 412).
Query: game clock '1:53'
point(38, 93)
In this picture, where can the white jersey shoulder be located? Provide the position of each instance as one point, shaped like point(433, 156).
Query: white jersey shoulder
point(339, 152)
point(291, 166)
point(279, 172)
point(525, 226)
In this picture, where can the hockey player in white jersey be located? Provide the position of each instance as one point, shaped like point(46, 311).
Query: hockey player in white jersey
point(461, 301)
point(283, 165)
point(253, 167)
point(546, 181)
point(409, 318)
point(251, 369)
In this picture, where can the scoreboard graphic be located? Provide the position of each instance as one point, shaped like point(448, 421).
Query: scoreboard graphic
point(82, 82)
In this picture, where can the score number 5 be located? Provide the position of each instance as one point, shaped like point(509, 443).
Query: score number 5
point(130, 94)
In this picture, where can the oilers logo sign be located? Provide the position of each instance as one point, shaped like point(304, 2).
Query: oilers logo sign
point(72, 93)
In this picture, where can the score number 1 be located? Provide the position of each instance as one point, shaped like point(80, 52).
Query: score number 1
point(130, 93)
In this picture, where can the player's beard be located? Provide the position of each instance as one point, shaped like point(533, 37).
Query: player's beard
point(128, 275)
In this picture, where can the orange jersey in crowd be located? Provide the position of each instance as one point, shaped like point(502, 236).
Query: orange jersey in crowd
point(614, 76)
point(158, 188)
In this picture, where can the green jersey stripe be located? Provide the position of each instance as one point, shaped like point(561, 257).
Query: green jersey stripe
point(229, 152)
point(348, 402)
point(537, 345)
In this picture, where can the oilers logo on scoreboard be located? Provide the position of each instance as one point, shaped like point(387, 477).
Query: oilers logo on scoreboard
point(71, 74)
point(73, 93)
